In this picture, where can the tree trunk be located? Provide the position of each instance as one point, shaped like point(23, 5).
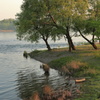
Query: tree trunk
point(93, 38)
point(92, 43)
point(70, 42)
point(47, 44)
point(70, 49)
point(94, 46)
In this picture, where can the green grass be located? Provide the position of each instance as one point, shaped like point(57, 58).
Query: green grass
point(91, 89)
point(58, 63)
point(85, 54)
point(36, 52)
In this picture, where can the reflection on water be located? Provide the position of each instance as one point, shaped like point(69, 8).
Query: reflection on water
point(20, 77)
point(31, 80)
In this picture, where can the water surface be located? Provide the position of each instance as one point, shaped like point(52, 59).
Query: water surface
point(20, 77)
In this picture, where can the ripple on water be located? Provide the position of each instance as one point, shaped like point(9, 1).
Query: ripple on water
point(20, 77)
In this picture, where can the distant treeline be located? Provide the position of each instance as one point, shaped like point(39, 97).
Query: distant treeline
point(7, 24)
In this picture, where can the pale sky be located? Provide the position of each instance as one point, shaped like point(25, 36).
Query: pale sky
point(9, 8)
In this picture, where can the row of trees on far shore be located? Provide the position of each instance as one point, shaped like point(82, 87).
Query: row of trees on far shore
point(7, 24)
point(59, 18)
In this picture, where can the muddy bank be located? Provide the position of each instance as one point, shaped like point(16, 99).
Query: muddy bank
point(48, 56)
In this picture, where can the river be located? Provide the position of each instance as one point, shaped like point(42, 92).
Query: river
point(20, 77)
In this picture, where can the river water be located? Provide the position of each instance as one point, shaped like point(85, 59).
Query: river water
point(20, 77)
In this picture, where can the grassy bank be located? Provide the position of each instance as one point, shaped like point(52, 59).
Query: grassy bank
point(84, 62)
point(90, 61)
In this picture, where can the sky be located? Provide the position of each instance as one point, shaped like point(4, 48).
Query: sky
point(9, 8)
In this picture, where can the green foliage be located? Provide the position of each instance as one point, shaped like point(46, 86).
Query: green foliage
point(31, 22)
point(94, 16)
point(56, 18)
point(88, 23)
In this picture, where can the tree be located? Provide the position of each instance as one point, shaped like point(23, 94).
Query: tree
point(32, 22)
point(64, 13)
point(90, 22)
point(94, 12)
point(61, 13)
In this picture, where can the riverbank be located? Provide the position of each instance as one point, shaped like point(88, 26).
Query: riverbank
point(84, 62)
point(45, 56)
point(7, 31)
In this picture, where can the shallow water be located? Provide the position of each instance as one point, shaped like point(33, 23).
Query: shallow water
point(20, 77)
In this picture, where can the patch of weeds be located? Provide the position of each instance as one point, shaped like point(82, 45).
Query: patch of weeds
point(58, 63)
point(77, 67)
point(76, 64)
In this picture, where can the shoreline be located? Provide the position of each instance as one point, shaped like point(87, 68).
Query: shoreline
point(48, 56)
point(6, 31)
point(85, 60)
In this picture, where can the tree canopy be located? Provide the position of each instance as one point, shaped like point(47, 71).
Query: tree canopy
point(56, 18)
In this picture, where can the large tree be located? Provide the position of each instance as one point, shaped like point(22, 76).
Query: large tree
point(85, 27)
point(61, 14)
point(32, 22)
point(89, 23)
point(64, 13)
